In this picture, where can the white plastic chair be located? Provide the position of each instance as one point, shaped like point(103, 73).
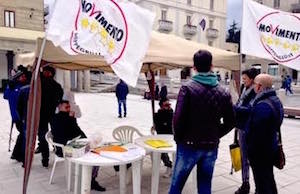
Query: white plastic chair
point(49, 139)
point(125, 134)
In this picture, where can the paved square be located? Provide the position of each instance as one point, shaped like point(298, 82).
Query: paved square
point(99, 116)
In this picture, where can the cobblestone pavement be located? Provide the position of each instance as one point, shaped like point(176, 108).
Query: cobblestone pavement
point(100, 116)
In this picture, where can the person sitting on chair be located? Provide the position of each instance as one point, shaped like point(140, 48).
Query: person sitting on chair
point(64, 127)
point(163, 125)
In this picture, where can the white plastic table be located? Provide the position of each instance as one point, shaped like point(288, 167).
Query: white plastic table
point(156, 155)
point(88, 160)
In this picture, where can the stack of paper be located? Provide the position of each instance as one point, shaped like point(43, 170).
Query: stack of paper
point(157, 143)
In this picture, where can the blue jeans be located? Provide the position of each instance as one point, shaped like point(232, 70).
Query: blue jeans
point(186, 158)
point(120, 102)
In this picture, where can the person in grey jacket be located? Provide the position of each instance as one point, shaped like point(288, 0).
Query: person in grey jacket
point(204, 113)
point(242, 115)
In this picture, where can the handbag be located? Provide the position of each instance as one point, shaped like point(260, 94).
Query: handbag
point(279, 156)
point(235, 154)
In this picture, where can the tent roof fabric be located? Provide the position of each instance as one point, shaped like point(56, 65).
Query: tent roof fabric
point(165, 51)
point(20, 34)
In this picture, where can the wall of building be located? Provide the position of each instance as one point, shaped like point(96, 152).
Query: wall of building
point(28, 13)
point(285, 5)
point(178, 10)
point(3, 66)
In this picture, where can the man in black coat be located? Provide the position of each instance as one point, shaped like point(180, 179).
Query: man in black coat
point(261, 134)
point(121, 93)
point(163, 125)
point(204, 113)
point(52, 93)
point(64, 127)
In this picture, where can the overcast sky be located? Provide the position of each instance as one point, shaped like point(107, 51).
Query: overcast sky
point(234, 12)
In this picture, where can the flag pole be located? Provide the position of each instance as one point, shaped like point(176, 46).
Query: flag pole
point(29, 136)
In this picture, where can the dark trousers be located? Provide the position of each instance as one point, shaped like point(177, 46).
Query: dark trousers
point(166, 160)
point(164, 156)
point(19, 149)
point(43, 144)
point(264, 178)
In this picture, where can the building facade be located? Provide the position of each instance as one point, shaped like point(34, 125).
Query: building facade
point(202, 21)
point(197, 20)
point(21, 22)
point(269, 66)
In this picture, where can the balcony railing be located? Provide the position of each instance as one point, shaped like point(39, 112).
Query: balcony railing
point(165, 26)
point(295, 7)
point(189, 30)
point(212, 33)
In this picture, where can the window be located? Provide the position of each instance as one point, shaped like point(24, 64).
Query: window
point(9, 18)
point(163, 14)
point(212, 4)
point(211, 23)
point(273, 69)
point(188, 20)
point(189, 2)
point(276, 3)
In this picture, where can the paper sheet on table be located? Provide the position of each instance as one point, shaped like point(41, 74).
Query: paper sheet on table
point(110, 148)
point(132, 152)
point(157, 143)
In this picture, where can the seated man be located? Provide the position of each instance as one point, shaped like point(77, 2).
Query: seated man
point(64, 127)
point(163, 125)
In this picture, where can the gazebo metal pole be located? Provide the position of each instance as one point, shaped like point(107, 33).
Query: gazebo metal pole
point(151, 84)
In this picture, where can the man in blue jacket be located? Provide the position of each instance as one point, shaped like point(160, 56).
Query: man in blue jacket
point(121, 93)
point(265, 119)
point(11, 93)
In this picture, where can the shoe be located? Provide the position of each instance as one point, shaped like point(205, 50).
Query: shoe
point(37, 150)
point(45, 164)
point(95, 186)
point(124, 115)
point(120, 116)
point(18, 158)
point(244, 189)
point(168, 173)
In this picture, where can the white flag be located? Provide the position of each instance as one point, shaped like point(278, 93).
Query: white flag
point(271, 34)
point(119, 31)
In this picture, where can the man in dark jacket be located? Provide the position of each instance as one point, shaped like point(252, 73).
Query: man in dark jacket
point(64, 127)
point(204, 113)
point(265, 119)
point(52, 93)
point(121, 93)
point(12, 93)
point(242, 115)
point(163, 125)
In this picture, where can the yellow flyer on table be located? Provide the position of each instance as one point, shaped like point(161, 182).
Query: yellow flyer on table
point(157, 143)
